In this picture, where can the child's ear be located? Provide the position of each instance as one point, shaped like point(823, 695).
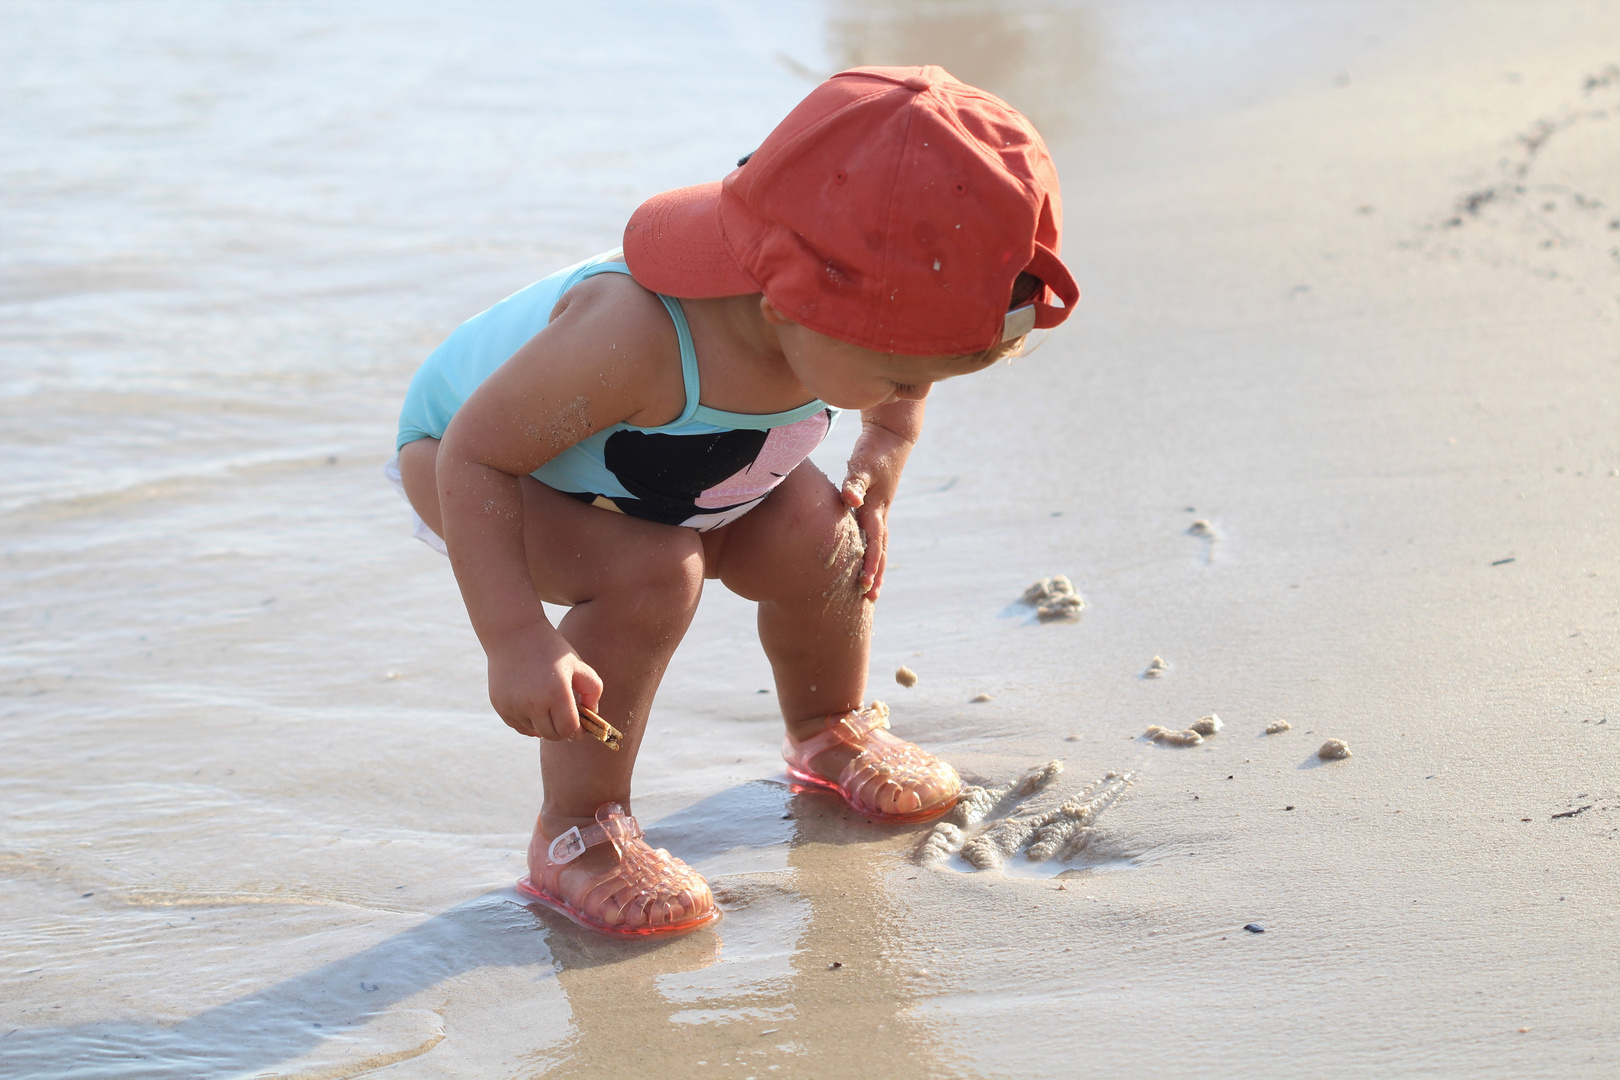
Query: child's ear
point(771, 314)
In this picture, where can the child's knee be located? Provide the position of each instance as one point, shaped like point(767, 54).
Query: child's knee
point(841, 552)
point(802, 547)
point(665, 584)
point(826, 544)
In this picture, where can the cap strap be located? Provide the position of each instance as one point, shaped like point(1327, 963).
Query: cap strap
point(1059, 284)
point(1019, 321)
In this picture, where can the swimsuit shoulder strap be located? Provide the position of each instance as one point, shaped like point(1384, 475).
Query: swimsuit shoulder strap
point(609, 264)
point(683, 333)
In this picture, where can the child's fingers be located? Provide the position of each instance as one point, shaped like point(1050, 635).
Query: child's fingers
point(871, 563)
point(514, 712)
point(565, 720)
point(519, 724)
point(873, 583)
point(854, 492)
point(877, 575)
point(587, 687)
point(584, 688)
point(877, 542)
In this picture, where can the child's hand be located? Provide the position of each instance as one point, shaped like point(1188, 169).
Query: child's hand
point(537, 683)
point(872, 515)
point(874, 476)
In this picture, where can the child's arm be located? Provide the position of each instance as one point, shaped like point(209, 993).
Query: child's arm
point(888, 433)
point(603, 359)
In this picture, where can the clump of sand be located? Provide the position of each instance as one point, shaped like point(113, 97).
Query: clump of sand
point(1206, 725)
point(946, 840)
point(1156, 667)
point(1064, 607)
point(976, 803)
point(1277, 727)
point(1171, 737)
point(1063, 832)
point(1054, 598)
point(978, 698)
point(1334, 750)
point(1201, 529)
point(905, 676)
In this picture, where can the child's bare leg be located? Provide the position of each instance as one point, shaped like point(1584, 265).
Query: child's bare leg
point(632, 587)
point(799, 555)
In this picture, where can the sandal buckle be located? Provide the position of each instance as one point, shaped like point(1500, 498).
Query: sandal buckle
point(567, 847)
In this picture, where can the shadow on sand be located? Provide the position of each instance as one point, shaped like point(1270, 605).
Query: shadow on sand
point(827, 920)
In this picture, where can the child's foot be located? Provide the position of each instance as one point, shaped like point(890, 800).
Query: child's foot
point(876, 773)
point(605, 877)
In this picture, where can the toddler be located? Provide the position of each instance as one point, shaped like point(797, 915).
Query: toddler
point(612, 435)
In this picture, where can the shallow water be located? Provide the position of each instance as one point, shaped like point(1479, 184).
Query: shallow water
point(258, 819)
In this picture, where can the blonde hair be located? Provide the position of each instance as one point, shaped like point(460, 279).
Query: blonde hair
point(1025, 286)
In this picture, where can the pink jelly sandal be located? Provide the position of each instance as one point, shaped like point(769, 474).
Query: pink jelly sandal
point(888, 772)
point(646, 892)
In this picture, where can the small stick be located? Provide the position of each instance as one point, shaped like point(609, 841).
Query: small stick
point(599, 729)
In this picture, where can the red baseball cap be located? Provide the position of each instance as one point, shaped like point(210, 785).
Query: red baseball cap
point(892, 209)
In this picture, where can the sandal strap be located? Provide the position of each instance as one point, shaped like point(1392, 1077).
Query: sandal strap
point(851, 727)
point(611, 825)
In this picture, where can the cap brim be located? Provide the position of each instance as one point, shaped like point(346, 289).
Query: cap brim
point(674, 245)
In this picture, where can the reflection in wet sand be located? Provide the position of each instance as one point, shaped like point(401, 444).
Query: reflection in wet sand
point(804, 973)
point(620, 1019)
point(862, 1021)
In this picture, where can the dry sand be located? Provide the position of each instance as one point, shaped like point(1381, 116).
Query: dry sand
point(257, 820)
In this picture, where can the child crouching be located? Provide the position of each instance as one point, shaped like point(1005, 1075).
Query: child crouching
point(612, 435)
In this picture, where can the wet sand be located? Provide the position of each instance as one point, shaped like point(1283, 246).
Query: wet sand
point(258, 819)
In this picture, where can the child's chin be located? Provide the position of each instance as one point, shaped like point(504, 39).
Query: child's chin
point(856, 404)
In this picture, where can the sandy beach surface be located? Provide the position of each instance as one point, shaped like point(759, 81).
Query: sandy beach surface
point(1351, 279)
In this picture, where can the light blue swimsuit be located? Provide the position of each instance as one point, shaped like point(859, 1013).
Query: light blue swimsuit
point(702, 470)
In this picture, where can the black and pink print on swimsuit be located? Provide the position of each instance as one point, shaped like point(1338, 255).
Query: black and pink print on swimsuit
point(705, 481)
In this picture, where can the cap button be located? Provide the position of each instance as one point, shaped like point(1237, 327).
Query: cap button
point(916, 82)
